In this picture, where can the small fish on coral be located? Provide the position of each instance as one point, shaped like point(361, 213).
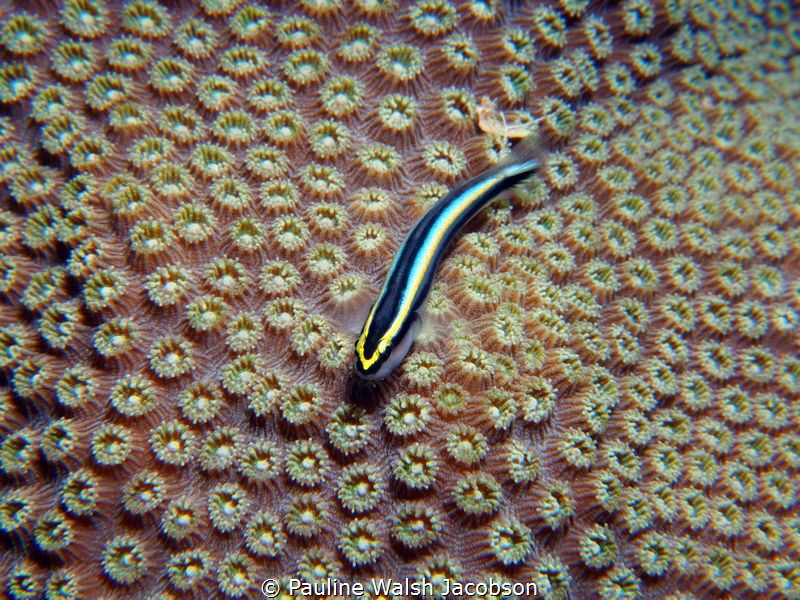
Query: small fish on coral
point(198, 200)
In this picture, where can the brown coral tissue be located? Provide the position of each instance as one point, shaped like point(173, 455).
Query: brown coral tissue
point(198, 200)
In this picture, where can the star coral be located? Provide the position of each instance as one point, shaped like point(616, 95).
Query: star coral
point(197, 201)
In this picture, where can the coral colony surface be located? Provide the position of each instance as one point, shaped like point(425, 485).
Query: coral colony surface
point(199, 201)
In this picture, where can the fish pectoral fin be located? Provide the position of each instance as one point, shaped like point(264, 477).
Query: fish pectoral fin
point(351, 314)
point(428, 328)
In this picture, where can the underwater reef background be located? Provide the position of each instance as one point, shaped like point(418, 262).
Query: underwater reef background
point(198, 200)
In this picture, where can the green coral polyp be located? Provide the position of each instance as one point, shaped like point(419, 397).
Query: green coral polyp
point(328, 218)
point(510, 541)
point(227, 276)
point(173, 443)
point(75, 62)
point(478, 494)
point(306, 515)
point(417, 466)
point(234, 128)
point(133, 396)
point(329, 139)
point(348, 430)
point(466, 444)
point(301, 404)
point(423, 369)
point(323, 180)
point(619, 582)
point(85, 18)
point(305, 66)
point(61, 584)
point(444, 159)
point(171, 75)
point(59, 440)
point(211, 161)
point(598, 547)
point(188, 569)
point(235, 574)
point(124, 560)
point(416, 525)
point(407, 414)
point(325, 260)
point(250, 23)
point(269, 94)
point(171, 357)
point(360, 543)
point(196, 39)
point(227, 505)
point(167, 286)
point(264, 536)
point(342, 96)
point(15, 511)
point(278, 278)
point(261, 461)
point(244, 331)
point(151, 237)
point(306, 463)
point(206, 312)
point(79, 493)
point(401, 63)
point(129, 54)
point(220, 448)
point(194, 223)
point(145, 18)
point(460, 53)
point(111, 444)
point(242, 375)
point(360, 488)
point(149, 151)
point(297, 32)
point(557, 504)
point(181, 519)
point(59, 324)
point(143, 493)
point(181, 123)
point(53, 532)
point(52, 101)
point(17, 452)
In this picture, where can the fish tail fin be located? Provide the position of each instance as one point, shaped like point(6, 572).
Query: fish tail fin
point(526, 155)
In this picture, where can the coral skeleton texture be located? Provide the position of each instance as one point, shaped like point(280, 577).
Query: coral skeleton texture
point(198, 200)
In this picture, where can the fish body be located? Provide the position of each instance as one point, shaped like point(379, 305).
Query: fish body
point(393, 321)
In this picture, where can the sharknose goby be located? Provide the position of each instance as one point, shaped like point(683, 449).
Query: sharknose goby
point(393, 322)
